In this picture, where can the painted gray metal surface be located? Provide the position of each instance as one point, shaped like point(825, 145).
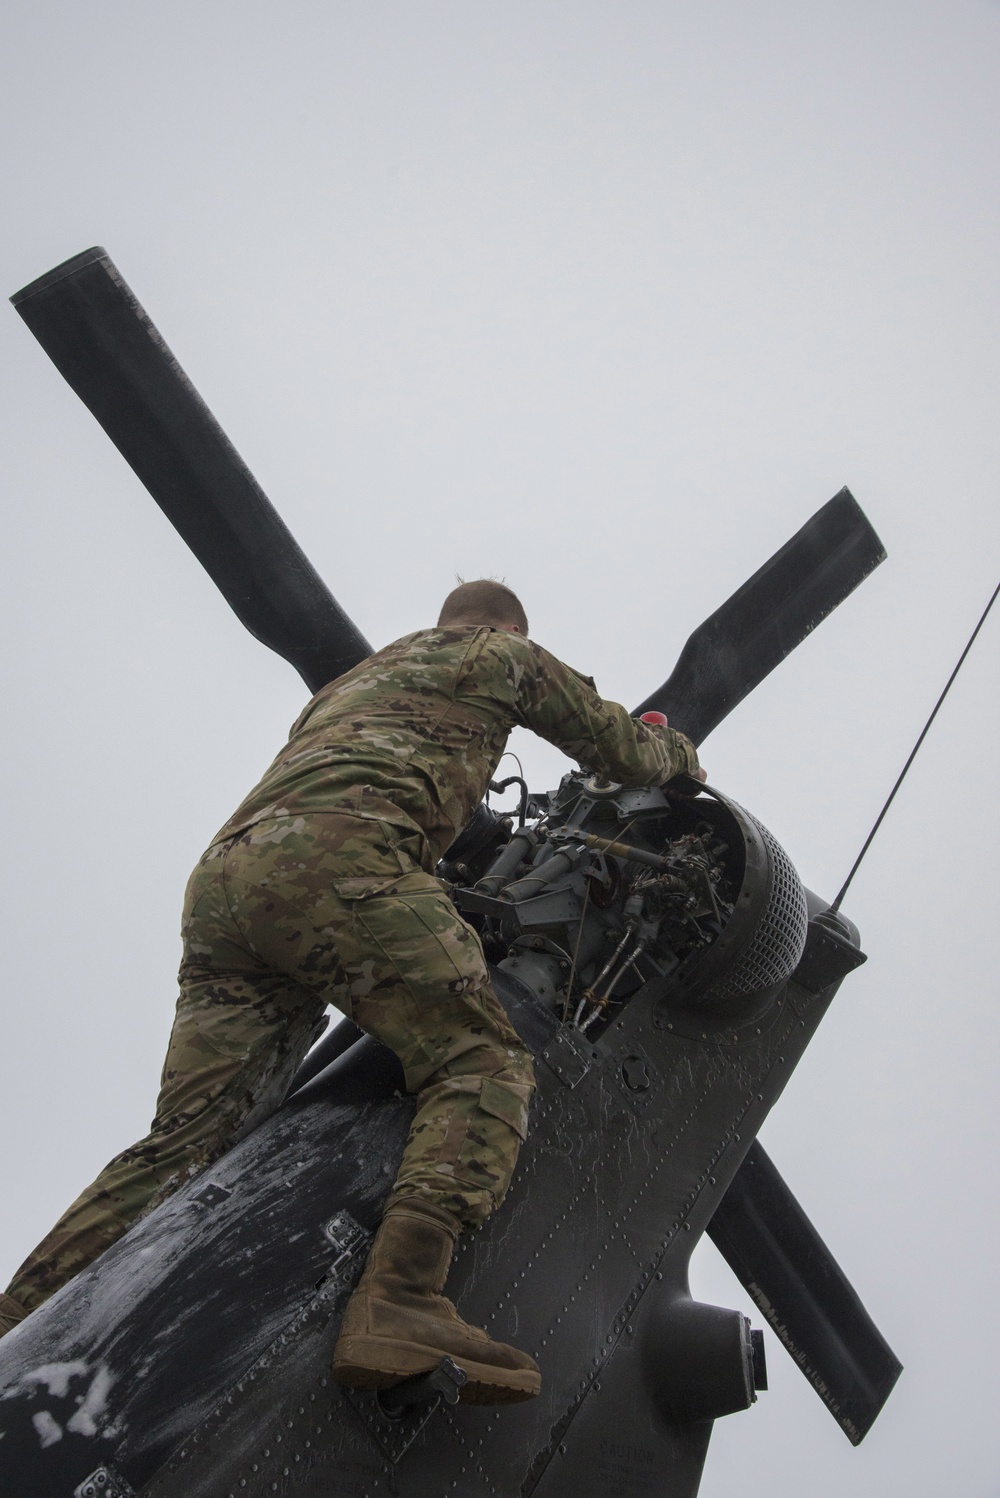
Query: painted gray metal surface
point(213, 1321)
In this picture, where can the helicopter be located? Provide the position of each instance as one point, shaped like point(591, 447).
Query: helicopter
point(656, 950)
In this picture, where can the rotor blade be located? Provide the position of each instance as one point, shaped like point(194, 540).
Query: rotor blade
point(763, 621)
point(788, 1271)
point(100, 339)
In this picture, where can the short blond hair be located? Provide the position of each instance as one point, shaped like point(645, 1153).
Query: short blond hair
point(484, 602)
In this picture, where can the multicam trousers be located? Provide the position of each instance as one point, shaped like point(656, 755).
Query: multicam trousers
point(293, 915)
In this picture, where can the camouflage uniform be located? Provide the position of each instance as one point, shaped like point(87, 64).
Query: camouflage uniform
point(320, 890)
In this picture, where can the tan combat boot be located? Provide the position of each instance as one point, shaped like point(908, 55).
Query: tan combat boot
point(397, 1322)
point(12, 1313)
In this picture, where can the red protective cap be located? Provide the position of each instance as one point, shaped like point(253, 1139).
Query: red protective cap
point(658, 718)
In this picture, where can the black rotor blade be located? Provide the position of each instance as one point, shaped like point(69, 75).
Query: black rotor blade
point(763, 621)
point(101, 340)
point(784, 1265)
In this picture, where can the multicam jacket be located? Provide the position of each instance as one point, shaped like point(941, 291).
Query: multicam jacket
point(422, 725)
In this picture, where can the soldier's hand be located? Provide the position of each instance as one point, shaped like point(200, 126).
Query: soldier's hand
point(660, 720)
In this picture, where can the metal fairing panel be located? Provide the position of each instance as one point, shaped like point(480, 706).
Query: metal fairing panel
point(211, 1324)
point(175, 1313)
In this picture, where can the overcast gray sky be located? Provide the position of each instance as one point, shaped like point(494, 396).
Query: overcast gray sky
point(606, 299)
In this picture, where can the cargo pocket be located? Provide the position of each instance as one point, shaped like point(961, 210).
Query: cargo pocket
point(394, 967)
point(438, 957)
point(507, 1101)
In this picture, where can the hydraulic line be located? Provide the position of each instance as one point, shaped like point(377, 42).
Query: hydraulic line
point(588, 997)
point(602, 1003)
point(499, 786)
point(576, 951)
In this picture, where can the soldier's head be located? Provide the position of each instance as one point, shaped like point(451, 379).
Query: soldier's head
point(485, 602)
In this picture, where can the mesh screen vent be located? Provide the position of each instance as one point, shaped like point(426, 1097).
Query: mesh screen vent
point(776, 946)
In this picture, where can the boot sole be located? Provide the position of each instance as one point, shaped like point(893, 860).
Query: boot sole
point(377, 1363)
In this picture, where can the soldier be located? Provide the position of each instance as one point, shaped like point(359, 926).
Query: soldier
point(320, 890)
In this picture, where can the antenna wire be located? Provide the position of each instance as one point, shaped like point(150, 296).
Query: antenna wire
point(913, 752)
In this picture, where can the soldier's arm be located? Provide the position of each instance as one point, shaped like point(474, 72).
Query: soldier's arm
point(564, 707)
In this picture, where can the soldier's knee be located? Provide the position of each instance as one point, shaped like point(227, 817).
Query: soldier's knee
point(514, 1067)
